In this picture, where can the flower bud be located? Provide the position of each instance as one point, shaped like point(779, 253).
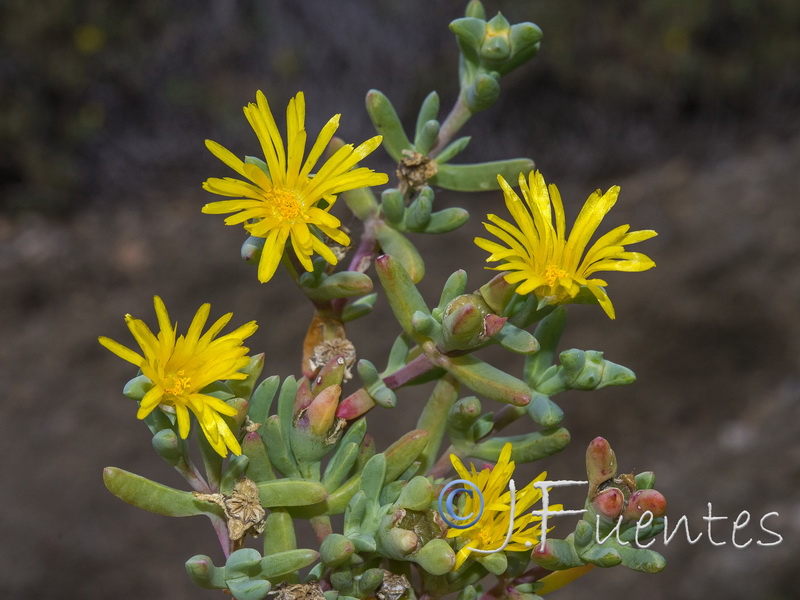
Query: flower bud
point(601, 464)
point(251, 249)
point(321, 412)
point(496, 44)
point(417, 494)
point(202, 571)
point(169, 447)
point(642, 501)
point(482, 93)
point(609, 502)
point(336, 550)
point(436, 557)
point(398, 543)
point(497, 293)
point(137, 387)
point(496, 563)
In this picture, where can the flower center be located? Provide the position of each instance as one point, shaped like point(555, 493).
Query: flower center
point(285, 204)
point(553, 273)
point(177, 384)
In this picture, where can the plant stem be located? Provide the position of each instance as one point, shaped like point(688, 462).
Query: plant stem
point(443, 466)
point(362, 259)
point(458, 116)
point(221, 529)
point(322, 527)
point(191, 474)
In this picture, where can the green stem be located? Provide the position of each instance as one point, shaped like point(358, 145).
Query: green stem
point(443, 465)
point(322, 527)
point(458, 116)
point(286, 260)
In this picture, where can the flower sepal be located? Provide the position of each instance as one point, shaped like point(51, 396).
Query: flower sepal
point(243, 388)
point(137, 387)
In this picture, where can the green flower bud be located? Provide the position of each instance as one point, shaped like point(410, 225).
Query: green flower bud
point(463, 322)
point(464, 413)
point(496, 563)
point(342, 580)
point(169, 447)
point(436, 557)
point(251, 249)
point(369, 581)
point(645, 480)
point(336, 550)
point(482, 93)
point(137, 387)
point(397, 543)
point(203, 573)
point(496, 45)
point(417, 494)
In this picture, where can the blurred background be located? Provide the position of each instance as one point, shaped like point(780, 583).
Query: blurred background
point(692, 107)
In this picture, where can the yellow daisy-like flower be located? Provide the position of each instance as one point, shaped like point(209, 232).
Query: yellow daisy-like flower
point(490, 531)
point(543, 260)
point(180, 367)
point(284, 200)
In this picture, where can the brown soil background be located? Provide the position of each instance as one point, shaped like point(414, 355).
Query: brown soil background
point(712, 332)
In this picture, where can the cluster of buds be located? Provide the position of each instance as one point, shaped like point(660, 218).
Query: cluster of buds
point(622, 512)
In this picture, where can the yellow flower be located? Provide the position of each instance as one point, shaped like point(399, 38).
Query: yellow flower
point(284, 200)
point(490, 531)
point(543, 260)
point(180, 367)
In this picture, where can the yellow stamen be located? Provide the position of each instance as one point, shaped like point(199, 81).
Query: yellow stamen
point(286, 205)
point(553, 273)
point(180, 383)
